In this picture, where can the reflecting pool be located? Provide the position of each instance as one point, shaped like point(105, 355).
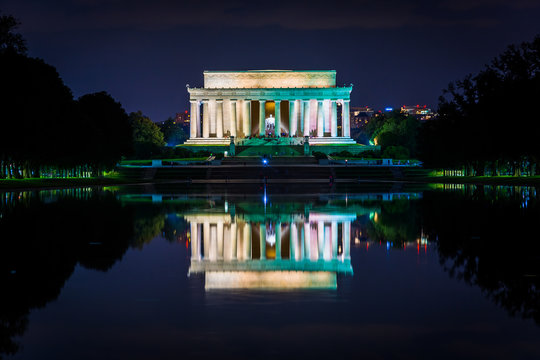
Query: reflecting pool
point(187, 272)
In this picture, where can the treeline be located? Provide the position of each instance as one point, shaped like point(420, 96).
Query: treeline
point(487, 122)
point(45, 132)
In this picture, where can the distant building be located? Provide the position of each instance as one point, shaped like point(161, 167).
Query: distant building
point(183, 119)
point(420, 112)
point(360, 116)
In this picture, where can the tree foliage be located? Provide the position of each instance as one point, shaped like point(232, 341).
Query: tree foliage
point(9, 40)
point(45, 131)
point(173, 134)
point(486, 120)
point(396, 133)
point(147, 137)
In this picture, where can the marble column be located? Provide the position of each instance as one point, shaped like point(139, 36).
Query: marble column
point(233, 124)
point(320, 119)
point(194, 120)
point(301, 116)
point(307, 114)
point(333, 126)
point(212, 107)
point(346, 125)
point(293, 119)
point(277, 130)
point(205, 125)
point(262, 117)
point(246, 116)
point(219, 118)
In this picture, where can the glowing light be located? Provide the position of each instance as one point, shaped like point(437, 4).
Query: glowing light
point(388, 108)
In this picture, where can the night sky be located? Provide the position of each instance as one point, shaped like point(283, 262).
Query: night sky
point(144, 52)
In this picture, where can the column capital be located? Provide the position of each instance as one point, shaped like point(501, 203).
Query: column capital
point(194, 101)
point(219, 101)
point(277, 100)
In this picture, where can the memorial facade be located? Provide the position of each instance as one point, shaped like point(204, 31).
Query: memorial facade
point(269, 104)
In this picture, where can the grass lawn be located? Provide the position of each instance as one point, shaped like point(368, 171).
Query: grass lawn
point(486, 180)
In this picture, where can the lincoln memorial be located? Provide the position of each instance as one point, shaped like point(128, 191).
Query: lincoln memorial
point(270, 104)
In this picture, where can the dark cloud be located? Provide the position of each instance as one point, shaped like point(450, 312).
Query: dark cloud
point(307, 15)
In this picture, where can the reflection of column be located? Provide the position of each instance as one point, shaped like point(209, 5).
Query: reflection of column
point(334, 239)
point(247, 241)
point(327, 243)
point(262, 229)
point(301, 251)
point(347, 239)
point(206, 238)
point(233, 121)
point(307, 240)
point(205, 120)
point(227, 243)
point(262, 117)
point(220, 249)
point(320, 238)
point(195, 249)
point(293, 242)
point(213, 252)
point(278, 118)
point(233, 241)
point(278, 240)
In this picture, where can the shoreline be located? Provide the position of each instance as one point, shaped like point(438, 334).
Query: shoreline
point(35, 184)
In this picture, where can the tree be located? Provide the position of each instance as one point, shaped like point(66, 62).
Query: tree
point(10, 41)
point(107, 131)
point(396, 130)
point(35, 110)
point(147, 137)
point(475, 125)
point(173, 134)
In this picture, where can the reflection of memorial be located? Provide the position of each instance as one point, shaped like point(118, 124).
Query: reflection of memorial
point(257, 250)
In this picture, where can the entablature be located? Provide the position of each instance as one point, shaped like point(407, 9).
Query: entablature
point(270, 94)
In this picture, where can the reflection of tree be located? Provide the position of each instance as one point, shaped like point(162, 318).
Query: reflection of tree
point(40, 247)
point(491, 244)
point(397, 222)
point(147, 224)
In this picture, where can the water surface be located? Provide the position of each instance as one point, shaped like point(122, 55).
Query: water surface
point(270, 272)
